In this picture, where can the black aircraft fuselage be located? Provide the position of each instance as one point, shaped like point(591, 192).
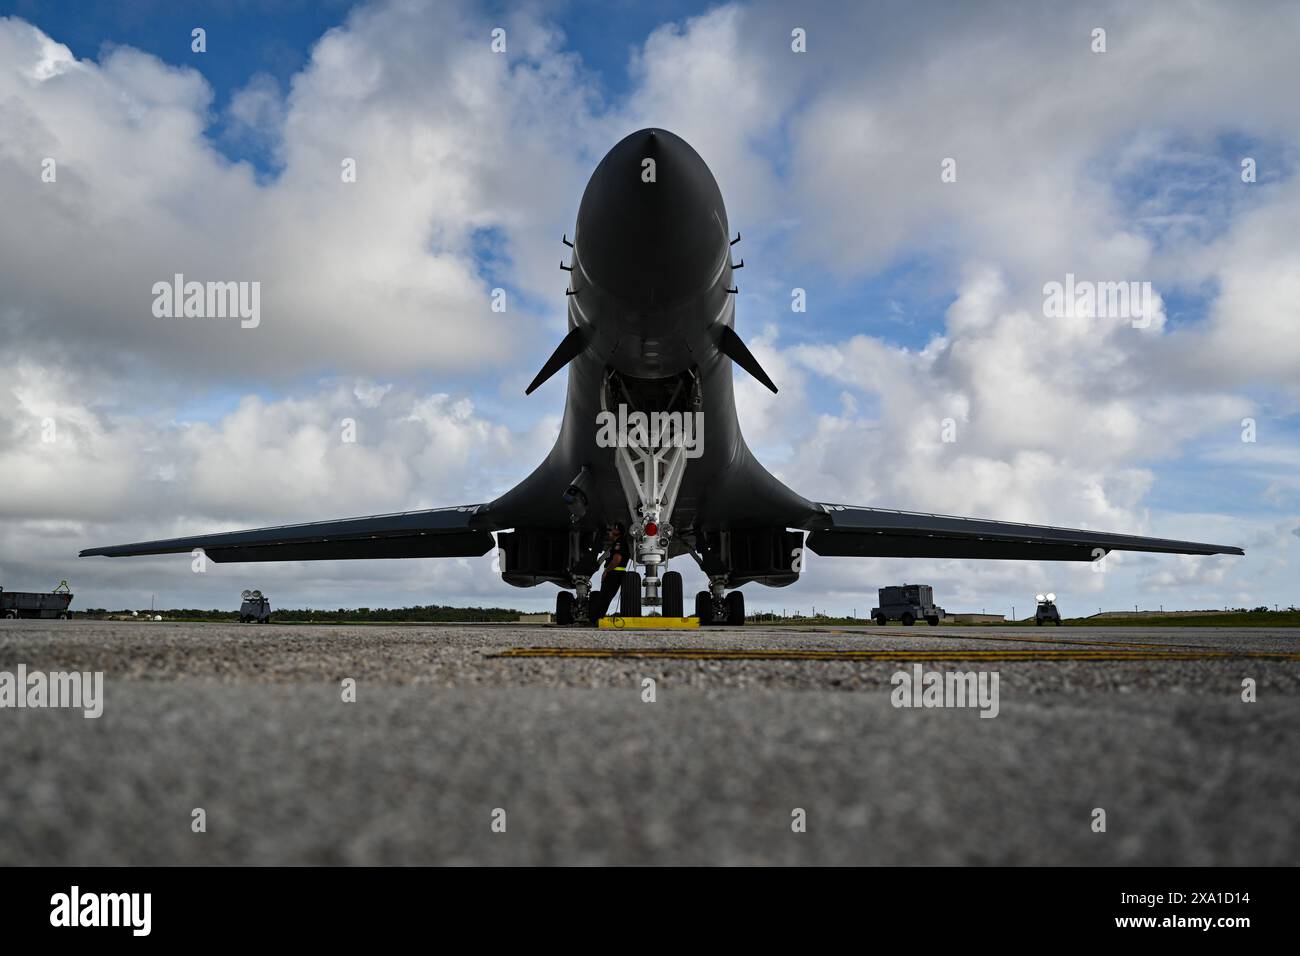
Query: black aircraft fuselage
point(651, 293)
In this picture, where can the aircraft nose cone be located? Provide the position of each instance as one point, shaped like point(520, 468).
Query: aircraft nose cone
point(652, 232)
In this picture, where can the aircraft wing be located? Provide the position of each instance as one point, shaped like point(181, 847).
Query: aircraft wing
point(846, 531)
point(441, 533)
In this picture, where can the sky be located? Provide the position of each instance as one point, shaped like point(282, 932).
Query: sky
point(921, 170)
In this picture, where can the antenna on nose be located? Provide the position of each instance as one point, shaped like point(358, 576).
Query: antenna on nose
point(736, 240)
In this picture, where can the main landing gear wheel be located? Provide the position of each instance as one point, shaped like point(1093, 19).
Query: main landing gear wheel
point(932, 621)
point(670, 594)
point(629, 599)
point(736, 609)
point(564, 607)
point(908, 619)
point(704, 607)
point(881, 620)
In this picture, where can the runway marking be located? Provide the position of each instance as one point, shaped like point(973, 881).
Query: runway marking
point(1060, 640)
point(1018, 640)
point(899, 654)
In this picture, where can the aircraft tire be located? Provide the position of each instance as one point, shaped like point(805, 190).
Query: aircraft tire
point(670, 594)
point(629, 598)
point(704, 608)
point(736, 609)
point(564, 607)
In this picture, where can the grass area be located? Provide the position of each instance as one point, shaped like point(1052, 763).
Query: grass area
point(1226, 619)
point(428, 614)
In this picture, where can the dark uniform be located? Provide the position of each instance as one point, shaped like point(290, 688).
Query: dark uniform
point(612, 581)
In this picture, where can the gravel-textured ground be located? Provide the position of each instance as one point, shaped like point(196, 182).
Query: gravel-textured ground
point(248, 723)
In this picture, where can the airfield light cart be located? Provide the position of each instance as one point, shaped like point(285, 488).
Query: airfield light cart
point(1047, 612)
point(37, 604)
point(908, 603)
point(255, 609)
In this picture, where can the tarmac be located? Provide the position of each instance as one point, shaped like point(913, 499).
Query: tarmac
point(762, 745)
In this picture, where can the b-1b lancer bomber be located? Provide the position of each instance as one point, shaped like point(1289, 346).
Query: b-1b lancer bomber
point(650, 351)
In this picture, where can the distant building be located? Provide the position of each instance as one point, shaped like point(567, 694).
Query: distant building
point(975, 619)
point(544, 618)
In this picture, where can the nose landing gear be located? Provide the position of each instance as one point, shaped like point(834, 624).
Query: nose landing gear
point(650, 469)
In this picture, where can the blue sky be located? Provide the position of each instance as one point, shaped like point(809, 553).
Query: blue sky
point(924, 299)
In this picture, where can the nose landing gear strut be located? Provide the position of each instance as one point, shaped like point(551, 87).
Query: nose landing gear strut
point(651, 476)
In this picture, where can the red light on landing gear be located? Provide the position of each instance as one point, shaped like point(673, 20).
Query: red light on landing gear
point(652, 529)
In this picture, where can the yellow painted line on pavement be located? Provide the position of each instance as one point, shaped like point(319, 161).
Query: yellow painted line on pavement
point(894, 654)
point(1056, 640)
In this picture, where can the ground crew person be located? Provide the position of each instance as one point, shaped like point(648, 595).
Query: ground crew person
point(612, 580)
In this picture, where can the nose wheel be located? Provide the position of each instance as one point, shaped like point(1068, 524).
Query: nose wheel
point(670, 594)
point(629, 598)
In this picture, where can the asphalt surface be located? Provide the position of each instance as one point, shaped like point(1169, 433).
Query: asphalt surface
point(450, 724)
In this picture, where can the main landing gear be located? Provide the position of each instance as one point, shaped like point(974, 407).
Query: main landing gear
point(716, 606)
point(571, 607)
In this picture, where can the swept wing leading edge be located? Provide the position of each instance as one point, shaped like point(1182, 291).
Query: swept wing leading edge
point(846, 531)
point(439, 533)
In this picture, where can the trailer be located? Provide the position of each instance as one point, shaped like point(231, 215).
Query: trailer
point(36, 604)
point(255, 609)
point(908, 603)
